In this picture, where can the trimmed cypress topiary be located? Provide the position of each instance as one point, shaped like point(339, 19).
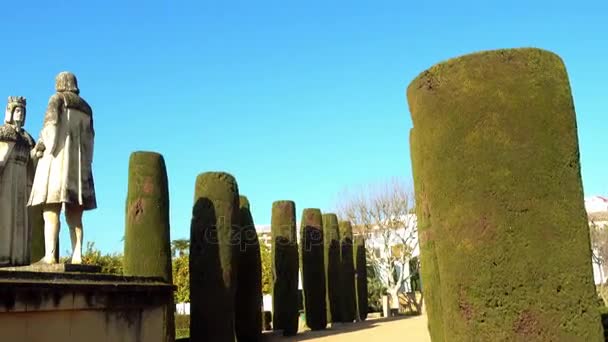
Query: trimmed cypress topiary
point(331, 238)
point(347, 270)
point(213, 257)
point(499, 199)
point(285, 267)
point(313, 268)
point(248, 303)
point(361, 277)
point(147, 249)
point(429, 264)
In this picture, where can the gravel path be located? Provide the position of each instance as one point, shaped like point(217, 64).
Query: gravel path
point(392, 329)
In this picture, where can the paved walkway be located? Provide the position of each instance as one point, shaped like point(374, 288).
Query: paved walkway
point(390, 329)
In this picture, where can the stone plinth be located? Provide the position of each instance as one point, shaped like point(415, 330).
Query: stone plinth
point(49, 307)
point(55, 268)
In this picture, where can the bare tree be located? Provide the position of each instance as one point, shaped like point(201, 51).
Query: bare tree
point(599, 248)
point(384, 214)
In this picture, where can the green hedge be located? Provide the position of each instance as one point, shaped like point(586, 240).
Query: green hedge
point(213, 257)
point(499, 199)
point(331, 242)
point(147, 248)
point(248, 303)
point(285, 267)
point(347, 270)
point(361, 277)
point(313, 268)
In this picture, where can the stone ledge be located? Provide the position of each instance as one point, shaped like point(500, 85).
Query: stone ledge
point(35, 277)
point(22, 291)
point(55, 268)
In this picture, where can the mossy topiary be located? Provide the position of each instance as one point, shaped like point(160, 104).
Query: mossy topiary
point(213, 257)
point(499, 199)
point(360, 260)
point(248, 298)
point(285, 267)
point(347, 270)
point(313, 268)
point(147, 249)
point(429, 267)
point(331, 242)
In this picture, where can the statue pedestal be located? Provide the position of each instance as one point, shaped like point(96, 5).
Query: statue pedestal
point(92, 307)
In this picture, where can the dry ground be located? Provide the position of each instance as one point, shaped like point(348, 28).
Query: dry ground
point(405, 328)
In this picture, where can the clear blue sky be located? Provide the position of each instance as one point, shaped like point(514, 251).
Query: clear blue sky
point(297, 99)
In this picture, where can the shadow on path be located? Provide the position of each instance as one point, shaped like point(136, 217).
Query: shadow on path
point(341, 328)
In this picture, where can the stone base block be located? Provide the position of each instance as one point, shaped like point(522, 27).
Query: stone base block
point(49, 307)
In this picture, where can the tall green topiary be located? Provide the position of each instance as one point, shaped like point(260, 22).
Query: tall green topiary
point(331, 238)
point(499, 200)
point(429, 265)
point(347, 270)
point(147, 249)
point(313, 268)
point(361, 277)
point(248, 303)
point(285, 267)
point(213, 257)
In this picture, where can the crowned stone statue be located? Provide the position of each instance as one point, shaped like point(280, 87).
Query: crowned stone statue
point(17, 165)
point(64, 177)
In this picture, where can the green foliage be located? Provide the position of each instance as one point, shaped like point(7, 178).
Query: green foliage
point(331, 242)
point(110, 263)
point(213, 250)
point(347, 273)
point(313, 268)
point(414, 266)
point(180, 247)
point(361, 286)
point(496, 169)
point(181, 279)
point(182, 326)
point(285, 267)
point(147, 250)
point(248, 297)
point(266, 257)
point(375, 290)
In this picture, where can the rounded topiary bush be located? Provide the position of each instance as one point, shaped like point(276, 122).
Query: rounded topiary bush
point(360, 260)
point(331, 238)
point(248, 298)
point(213, 257)
point(147, 249)
point(313, 268)
point(347, 270)
point(285, 267)
point(499, 199)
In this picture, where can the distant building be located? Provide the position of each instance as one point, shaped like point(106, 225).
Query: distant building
point(596, 204)
point(264, 235)
point(597, 211)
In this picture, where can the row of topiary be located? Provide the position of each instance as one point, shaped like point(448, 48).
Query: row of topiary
point(225, 263)
point(333, 270)
point(225, 266)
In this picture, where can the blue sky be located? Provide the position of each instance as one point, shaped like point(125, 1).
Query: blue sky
point(297, 99)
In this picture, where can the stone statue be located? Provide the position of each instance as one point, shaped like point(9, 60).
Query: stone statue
point(64, 176)
point(17, 166)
